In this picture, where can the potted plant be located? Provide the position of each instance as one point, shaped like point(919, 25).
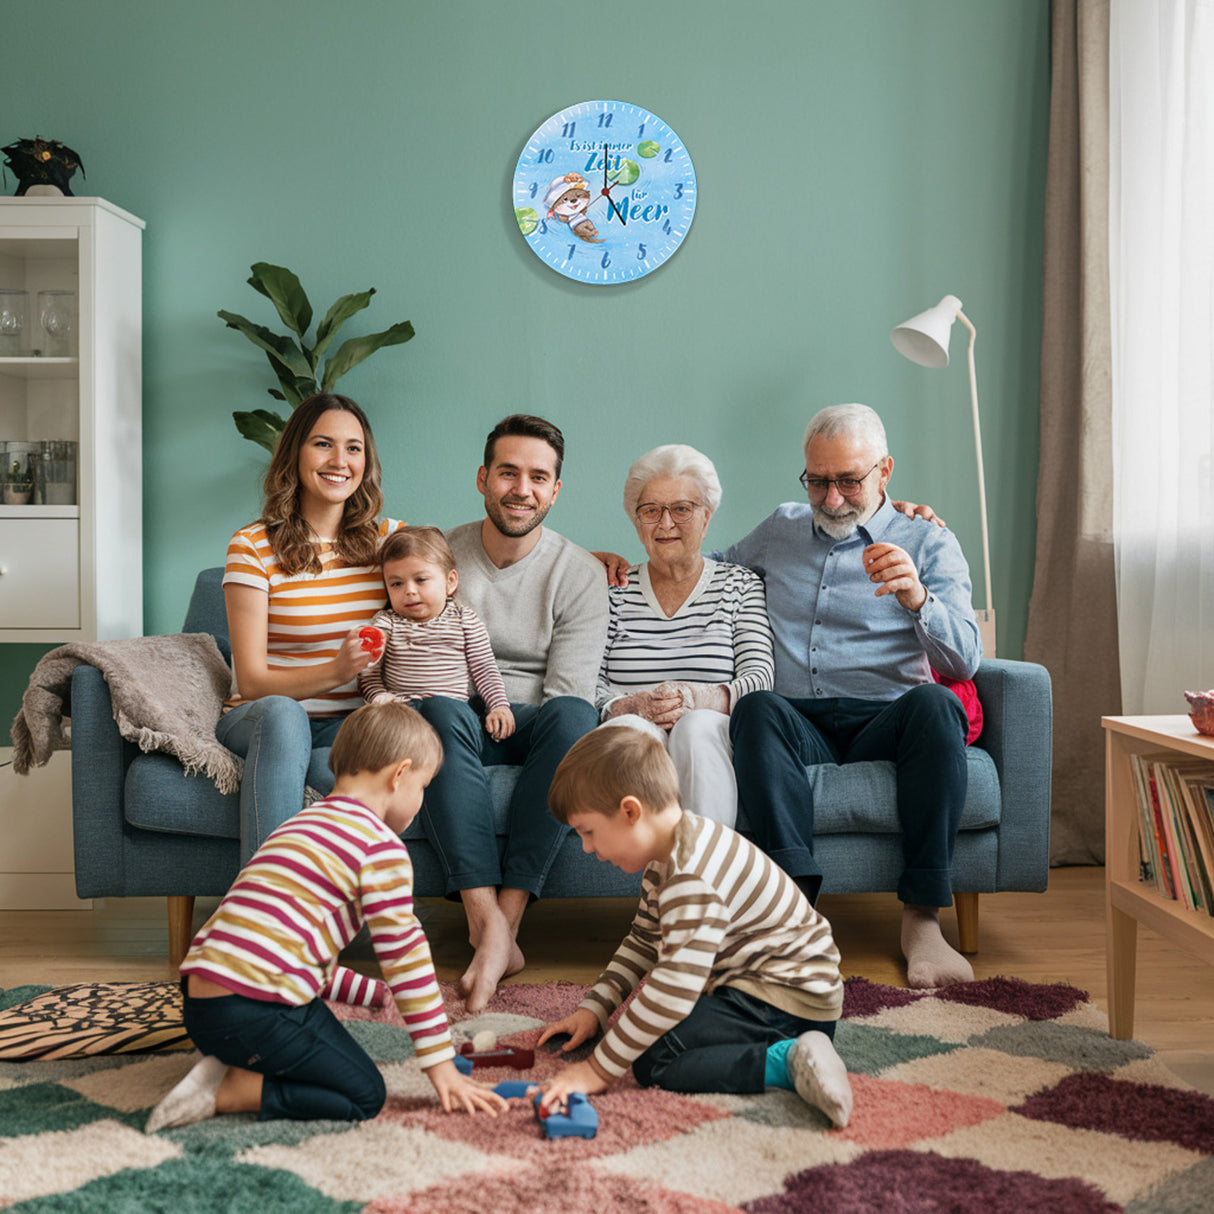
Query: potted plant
point(294, 360)
point(18, 484)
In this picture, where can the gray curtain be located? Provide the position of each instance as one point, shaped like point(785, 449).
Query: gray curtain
point(1072, 625)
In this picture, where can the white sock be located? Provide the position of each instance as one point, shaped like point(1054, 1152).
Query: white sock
point(819, 1076)
point(193, 1099)
point(930, 960)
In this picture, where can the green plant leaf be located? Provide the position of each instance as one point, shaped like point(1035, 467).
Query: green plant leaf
point(284, 291)
point(626, 172)
point(527, 219)
point(351, 353)
point(279, 347)
point(648, 149)
point(295, 389)
point(337, 316)
point(260, 426)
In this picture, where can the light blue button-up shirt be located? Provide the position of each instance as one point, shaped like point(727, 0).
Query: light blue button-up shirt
point(833, 635)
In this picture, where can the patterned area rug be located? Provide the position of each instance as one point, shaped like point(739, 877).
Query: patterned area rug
point(993, 1096)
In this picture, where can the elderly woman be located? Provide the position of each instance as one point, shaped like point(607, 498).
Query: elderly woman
point(687, 636)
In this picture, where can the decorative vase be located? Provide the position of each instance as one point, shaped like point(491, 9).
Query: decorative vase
point(1201, 710)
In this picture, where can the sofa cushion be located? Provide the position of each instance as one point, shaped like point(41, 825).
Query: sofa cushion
point(158, 795)
point(857, 798)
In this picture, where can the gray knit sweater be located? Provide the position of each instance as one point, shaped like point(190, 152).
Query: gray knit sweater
point(546, 614)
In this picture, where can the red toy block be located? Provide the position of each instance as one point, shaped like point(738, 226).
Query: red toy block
point(506, 1055)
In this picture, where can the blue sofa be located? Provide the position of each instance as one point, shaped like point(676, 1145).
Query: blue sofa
point(142, 827)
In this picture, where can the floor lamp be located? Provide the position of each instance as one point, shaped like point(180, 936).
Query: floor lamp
point(924, 340)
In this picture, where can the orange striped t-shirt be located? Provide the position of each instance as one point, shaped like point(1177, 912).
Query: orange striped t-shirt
point(310, 613)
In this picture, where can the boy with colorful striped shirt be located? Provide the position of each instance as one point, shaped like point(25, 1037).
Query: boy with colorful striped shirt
point(742, 987)
point(257, 973)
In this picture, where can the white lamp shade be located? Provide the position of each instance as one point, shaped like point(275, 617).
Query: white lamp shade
point(924, 338)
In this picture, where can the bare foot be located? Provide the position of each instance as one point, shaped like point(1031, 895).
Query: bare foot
point(497, 956)
point(930, 960)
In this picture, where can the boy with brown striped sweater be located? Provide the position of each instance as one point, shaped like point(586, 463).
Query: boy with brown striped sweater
point(743, 988)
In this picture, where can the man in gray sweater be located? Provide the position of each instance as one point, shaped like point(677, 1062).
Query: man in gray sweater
point(544, 602)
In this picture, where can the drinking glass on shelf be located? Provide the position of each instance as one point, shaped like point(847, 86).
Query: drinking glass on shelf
point(57, 318)
point(14, 315)
point(58, 472)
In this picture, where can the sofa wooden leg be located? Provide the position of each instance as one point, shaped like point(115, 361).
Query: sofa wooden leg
point(181, 920)
point(967, 921)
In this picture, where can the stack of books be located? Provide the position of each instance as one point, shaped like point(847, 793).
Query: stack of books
point(1176, 827)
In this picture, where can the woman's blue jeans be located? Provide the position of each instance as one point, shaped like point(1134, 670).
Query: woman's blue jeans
point(283, 750)
point(721, 1045)
point(311, 1065)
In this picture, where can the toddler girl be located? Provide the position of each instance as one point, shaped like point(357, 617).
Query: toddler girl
point(432, 644)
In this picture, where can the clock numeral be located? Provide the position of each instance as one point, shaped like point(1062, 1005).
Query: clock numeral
point(641, 131)
point(666, 227)
point(641, 252)
point(568, 129)
point(543, 227)
point(535, 188)
point(569, 255)
point(669, 153)
point(606, 260)
point(545, 156)
point(605, 119)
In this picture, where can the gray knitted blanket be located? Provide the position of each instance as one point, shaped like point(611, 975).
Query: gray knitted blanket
point(168, 692)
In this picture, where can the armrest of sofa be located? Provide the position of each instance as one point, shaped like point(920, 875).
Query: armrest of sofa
point(1017, 732)
point(100, 757)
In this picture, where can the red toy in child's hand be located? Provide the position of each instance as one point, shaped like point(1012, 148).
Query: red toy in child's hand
point(372, 638)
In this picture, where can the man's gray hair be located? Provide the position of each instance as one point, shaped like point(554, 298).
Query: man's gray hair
point(853, 421)
point(673, 459)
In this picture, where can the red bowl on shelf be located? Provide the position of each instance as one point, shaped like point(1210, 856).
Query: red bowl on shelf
point(1201, 710)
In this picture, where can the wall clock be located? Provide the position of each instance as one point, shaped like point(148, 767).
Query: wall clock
point(604, 192)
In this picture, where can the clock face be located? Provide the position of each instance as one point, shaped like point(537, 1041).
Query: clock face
point(604, 192)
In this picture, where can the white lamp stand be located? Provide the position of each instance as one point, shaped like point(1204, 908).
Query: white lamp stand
point(924, 340)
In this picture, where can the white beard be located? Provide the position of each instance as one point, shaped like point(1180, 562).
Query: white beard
point(837, 528)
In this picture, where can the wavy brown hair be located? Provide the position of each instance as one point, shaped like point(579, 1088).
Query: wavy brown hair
point(292, 540)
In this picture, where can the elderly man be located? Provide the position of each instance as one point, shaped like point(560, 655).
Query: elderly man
point(864, 603)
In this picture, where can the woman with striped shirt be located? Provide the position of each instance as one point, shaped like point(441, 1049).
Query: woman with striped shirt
point(687, 636)
point(298, 585)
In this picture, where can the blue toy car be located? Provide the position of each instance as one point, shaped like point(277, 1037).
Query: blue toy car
point(579, 1120)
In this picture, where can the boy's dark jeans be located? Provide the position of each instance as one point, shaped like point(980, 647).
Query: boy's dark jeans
point(721, 1045)
point(313, 1068)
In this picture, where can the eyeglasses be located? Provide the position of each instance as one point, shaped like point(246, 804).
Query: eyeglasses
point(847, 485)
point(681, 513)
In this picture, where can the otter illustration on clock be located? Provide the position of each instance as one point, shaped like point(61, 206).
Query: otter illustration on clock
point(604, 192)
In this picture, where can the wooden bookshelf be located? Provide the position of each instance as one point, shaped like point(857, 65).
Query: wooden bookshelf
point(1128, 900)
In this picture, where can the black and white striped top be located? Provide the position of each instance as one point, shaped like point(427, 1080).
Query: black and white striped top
point(719, 635)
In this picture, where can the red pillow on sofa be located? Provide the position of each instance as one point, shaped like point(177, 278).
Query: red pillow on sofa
point(967, 693)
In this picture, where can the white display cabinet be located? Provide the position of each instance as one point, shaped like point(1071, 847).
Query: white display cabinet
point(71, 558)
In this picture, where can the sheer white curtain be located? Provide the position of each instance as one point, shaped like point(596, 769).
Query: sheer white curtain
point(1161, 263)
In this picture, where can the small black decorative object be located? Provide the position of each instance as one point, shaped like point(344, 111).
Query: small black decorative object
point(42, 162)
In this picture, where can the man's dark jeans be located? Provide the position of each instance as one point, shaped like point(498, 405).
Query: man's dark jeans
point(922, 732)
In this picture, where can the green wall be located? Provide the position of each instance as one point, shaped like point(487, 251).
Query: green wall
point(855, 162)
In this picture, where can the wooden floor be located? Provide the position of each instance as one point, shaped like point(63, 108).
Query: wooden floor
point(1057, 936)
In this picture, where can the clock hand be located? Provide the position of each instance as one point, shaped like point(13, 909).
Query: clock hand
point(606, 193)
